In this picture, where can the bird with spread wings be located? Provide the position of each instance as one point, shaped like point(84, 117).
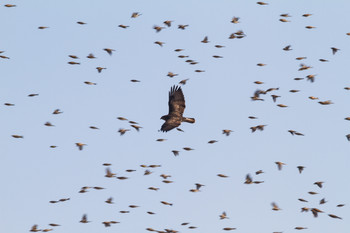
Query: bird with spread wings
point(176, 109)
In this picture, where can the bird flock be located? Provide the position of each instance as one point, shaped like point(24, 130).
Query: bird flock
point(115, 176)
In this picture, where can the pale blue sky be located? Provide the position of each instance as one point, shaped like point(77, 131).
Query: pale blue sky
point(219, 98)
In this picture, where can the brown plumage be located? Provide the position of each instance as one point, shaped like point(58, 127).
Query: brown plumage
point(176, 109)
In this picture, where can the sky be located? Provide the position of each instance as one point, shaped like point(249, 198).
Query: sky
point(33, 174)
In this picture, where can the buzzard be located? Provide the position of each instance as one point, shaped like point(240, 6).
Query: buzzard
point(176, 109)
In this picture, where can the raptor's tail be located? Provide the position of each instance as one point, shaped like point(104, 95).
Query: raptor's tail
point(188, 120)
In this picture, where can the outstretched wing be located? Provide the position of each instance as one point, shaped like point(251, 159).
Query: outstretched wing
point(176, 102)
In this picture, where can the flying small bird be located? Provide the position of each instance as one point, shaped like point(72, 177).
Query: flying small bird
point(262, 3)
point(222, 175)
point(334, 50)
point(319, 184)
point(287, 48)
point(158, 28)
point(48, 124)
point(285, 15)
point(80, 145)
point(315, 212)
point(135, 14)
point(310, 27)
point(300, 58)
point(323, 60)
point(32, 95)
point(34, 228)
point(109, 200)
point(136, 127)
point(340, 205)
point(81, 23)
point(205, 40)
point(323, 201)
point(327, 102)
point(176, 109)
point(90, 83)
point(217, 56)
point(84, 219)
point(109, 174)
point(10, 5)
point(159, 43)
point(183, 82)
point(4, 57)
point(135, 81)
point(178, 50)
point(175, 152)
point(305, 209)
point(259, 172)
point(42, 27)
point(153, 188)
point(306, 15)
point(229, 228)
point(300, 228)
point(57, 111)
point(123, 26)
point(187, 148)
point(123, 131)
point(93, 127)
point(54, 224)
point(109, 51)
point(282, 105)
point(223, 216)
point(300, 169)
point(182, 26)
point(219, 46)
point(235, 20)
point(166, 203)
point(302, 200)
point(279, 165)
point(275, 206)
point(248, 179)
point(168, 23)
point(17, 136)
point(274, 97)
point(91, 56)
point(212, 141)
point(73, 56)
point(227, 132)
point(73, 63)
point(171, 74)
point(312, 193)
point(261, 64)
point(334, 216)
point(284, 20)
point(348, 137)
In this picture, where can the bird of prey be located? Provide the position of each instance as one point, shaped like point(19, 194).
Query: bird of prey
point(176, 109)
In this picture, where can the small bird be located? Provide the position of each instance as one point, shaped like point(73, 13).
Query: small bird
point(300, 228)
point(306, 15)
point(315, 212)
point(327, 102)
point(183, 82)
point(42, 27)
point(334, 216)
point(248, 179)
point(166, 203)
point(235, 20)
point(227, 132)
point(109, 51)
point(90, 83)
point(275, 206)
point(284, 20)
point(123, 131)
point(73, 56)
point(175, 152)
point(301, 169)
point(123, 26)
point(159, 43)
point(222, 175)
point(80, 145)
point(259, 172)
point(313, 98)
point(84, 219)
point(205, 40)
point(168, 23)
point(187, 148)
point(81, 23)
point(48, 124)
point(109, 174)
point(274, 97)
point(279, 165)
point(158, 28)
point(109, 200)
point(302, 200)
point(262, 3)
point(182, 26)
point(135, 14)
point(17, 136)
point(171, 74)
point(34, 228)
point(10, 5)
point(310, 27)
point(57, 111)
point(282, 105)
point(73, 63)
point(334, 50)
point(136, 127)
point(287, 48)
point(212, 141)
point(319, 184)
point(323, 201)
point(32, 95)
point(223, 216)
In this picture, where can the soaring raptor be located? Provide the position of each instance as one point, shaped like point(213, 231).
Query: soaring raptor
point(176, 109)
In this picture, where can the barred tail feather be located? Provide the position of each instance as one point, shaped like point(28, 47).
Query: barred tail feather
point(188, 120)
